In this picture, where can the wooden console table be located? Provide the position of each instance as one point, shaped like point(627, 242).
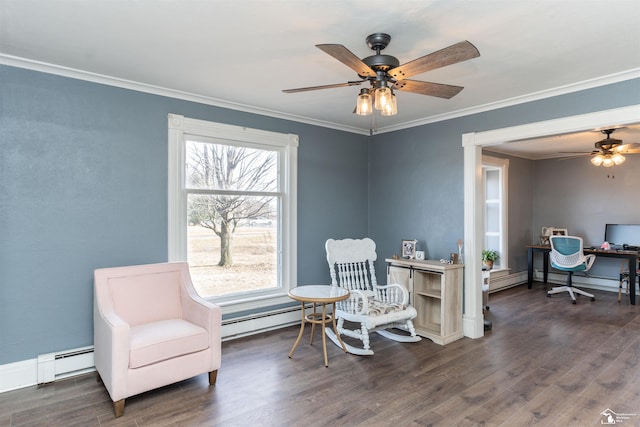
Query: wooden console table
point(435, 291)
point(631, 256)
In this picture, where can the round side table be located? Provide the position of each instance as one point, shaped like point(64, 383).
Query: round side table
point(318, 295)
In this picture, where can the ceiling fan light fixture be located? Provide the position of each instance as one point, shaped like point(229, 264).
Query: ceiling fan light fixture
point(618, 159)
point(383, 97)
point(364, 104)
point(391, 107)
point(607, 162)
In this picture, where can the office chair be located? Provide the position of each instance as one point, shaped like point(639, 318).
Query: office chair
point(567, 255)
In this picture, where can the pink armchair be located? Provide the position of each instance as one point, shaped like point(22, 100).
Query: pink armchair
point(151, 329)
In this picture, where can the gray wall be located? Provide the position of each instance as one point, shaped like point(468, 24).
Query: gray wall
point(83, 185)
point(522, 185)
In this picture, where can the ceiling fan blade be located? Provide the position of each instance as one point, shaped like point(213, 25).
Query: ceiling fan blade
point(571, 157)
point(428, 88)
point(449, 55)
point(306, 89)
point(632, 146)
point(348, 58)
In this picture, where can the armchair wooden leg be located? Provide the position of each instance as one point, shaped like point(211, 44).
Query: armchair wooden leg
point(118, 408)
point(213, 376)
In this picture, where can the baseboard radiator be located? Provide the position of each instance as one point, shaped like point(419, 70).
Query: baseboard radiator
point(55, 366)
point(252, 324)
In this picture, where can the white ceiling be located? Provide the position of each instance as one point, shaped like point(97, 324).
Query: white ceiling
point(241, 53)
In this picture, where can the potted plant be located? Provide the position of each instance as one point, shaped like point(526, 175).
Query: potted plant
point(489, 256)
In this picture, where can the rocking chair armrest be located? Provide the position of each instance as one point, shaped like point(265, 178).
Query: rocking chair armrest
point(357, 299)
point(395, 292)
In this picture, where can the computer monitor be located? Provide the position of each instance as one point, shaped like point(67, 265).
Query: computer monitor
point(622, 234)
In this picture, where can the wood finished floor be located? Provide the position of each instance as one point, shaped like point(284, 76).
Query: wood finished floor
point(545, 363)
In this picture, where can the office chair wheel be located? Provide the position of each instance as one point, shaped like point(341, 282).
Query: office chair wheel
point(548, 295)
point(573, 301)
point(593, 298)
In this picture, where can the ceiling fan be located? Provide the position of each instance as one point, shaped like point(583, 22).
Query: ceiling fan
point(385, 74)
point(609, 151)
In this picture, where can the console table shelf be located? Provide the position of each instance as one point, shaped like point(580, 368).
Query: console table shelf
point(435, 291)
point(429, 294)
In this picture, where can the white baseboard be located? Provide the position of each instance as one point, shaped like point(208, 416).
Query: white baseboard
point(470, 327)
point(18, 375)
point(25, 373)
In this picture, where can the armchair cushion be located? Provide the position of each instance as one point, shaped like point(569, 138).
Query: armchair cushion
point(165, 339)
point(159, 287)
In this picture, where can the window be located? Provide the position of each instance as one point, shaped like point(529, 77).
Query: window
point(232, 211)
point(495, 173)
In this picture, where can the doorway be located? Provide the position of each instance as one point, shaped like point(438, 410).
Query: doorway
point(473, 321)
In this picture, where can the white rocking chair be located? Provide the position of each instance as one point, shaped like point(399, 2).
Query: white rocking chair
point(374, 308)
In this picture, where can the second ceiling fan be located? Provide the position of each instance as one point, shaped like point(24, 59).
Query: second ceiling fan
point(385, 74)
point(609, 151)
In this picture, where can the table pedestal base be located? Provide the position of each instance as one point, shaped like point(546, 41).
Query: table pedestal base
point(321, 319)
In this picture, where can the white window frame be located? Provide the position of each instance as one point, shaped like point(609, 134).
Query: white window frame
point(502, 166)
point(180, 128)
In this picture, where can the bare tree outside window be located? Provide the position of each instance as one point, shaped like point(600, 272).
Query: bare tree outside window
point(232, 192)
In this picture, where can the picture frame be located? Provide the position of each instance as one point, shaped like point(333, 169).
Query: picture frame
point(560, 232)
point(409, 248)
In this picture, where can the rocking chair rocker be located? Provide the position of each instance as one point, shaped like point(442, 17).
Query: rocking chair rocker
point(374, 308)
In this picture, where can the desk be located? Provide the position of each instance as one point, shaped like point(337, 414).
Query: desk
point(631, 256)
point(323, 295)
